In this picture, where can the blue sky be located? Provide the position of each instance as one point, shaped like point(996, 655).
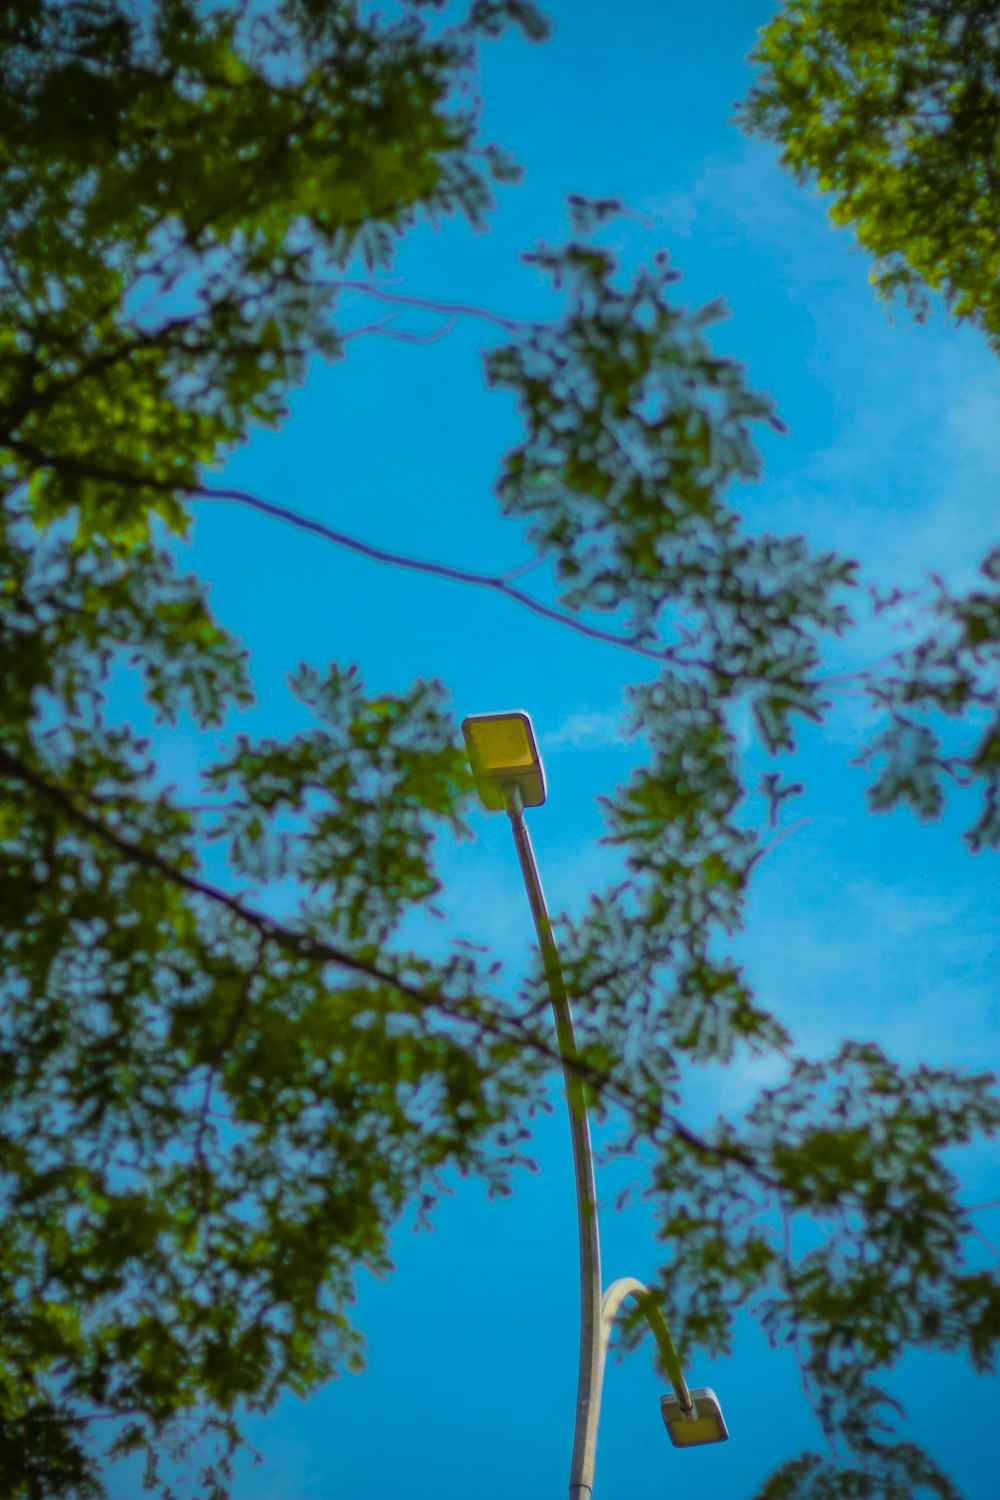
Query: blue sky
point(857, 926)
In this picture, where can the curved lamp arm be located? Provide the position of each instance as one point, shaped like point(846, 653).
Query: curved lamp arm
point(581, 1484)
point(628, 1286)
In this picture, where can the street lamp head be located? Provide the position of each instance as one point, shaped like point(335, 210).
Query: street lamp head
point(503, 755)
point(703, 1423)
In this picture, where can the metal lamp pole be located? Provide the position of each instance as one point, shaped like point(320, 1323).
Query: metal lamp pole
point(597, 1316)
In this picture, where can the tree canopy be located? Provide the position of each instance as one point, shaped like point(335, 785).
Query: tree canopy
point(213, 1113)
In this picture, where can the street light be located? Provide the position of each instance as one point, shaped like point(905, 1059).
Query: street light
point(508, 775)
point(503, 755)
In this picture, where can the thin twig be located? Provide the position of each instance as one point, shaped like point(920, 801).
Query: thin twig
point(778, 838)
point(381, 328)
point(993, 1249)
point(520, 568)
point(433, 304)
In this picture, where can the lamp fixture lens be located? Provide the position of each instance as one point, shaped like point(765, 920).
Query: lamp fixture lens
point(503, 753)
point(703, 1424)
point(500, 743)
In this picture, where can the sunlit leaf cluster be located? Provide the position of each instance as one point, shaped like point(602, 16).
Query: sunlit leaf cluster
point(894, 108)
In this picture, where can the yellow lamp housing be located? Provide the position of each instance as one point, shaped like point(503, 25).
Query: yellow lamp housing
point(704, 1423)
point(503, 754)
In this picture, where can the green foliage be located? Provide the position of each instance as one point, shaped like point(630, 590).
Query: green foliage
point(832, 1214)
point(951, 673)
point(896, 1471)
point(212, 1115)
point(634, 431)
point(211, 1119)
point(894, 108)
point(173, 195)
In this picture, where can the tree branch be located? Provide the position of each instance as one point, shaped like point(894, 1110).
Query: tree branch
point(508, 1028)
point(497, 582)
point(300, 944)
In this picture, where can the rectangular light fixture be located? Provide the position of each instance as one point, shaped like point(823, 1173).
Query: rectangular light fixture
point(705, 1424)
point(502, 752)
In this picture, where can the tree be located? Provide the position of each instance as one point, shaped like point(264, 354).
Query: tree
point(213, 1115)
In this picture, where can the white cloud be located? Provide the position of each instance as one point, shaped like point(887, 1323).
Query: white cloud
point(677, 212)
point(746, 195)
point(913, 486)
point(869, 960)
point(589, 729)
point(878, 960)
